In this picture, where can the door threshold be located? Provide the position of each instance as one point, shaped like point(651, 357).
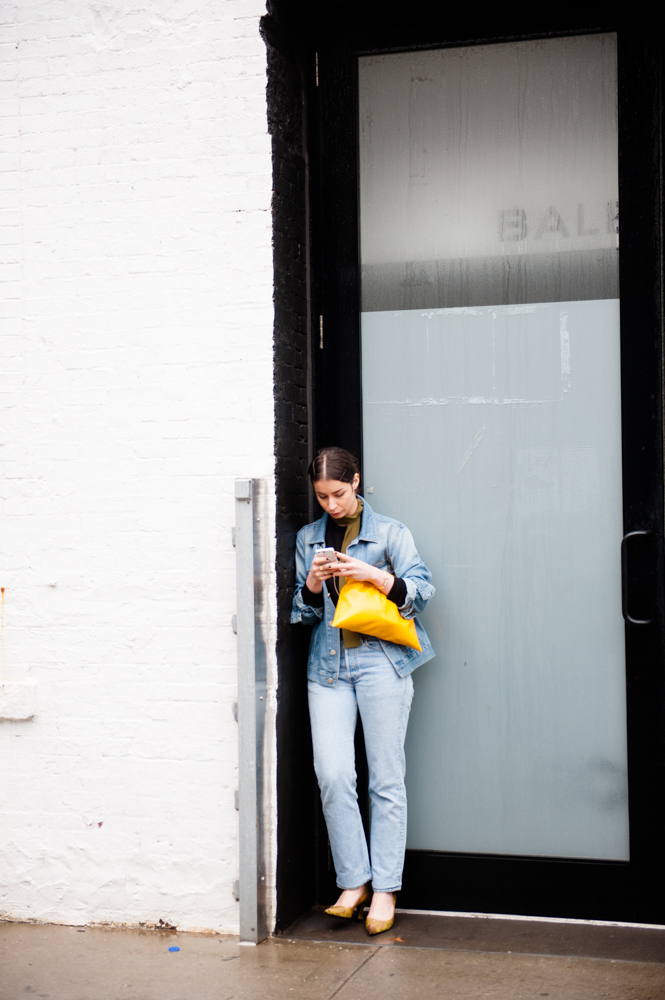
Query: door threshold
point(545, 920)
point(493, 932)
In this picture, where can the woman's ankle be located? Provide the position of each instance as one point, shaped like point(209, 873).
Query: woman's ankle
point(383, 904)
point(354, 893)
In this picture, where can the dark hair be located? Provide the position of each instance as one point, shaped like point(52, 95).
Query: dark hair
point(334, 463)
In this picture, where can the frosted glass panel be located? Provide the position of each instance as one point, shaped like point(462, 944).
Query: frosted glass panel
point(489, 174)
point(492, 428)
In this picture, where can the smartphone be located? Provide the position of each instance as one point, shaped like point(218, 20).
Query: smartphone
point(329, 554)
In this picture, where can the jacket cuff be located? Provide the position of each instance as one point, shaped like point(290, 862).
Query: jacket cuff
point(304, 612)
point(406, 609)
point(415, 589)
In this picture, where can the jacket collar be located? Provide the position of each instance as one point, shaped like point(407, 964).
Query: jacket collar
point(367, 526)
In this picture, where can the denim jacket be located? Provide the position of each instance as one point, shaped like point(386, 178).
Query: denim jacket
point(386, 544)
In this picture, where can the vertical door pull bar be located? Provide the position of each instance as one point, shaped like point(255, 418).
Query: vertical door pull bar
point(625, 582)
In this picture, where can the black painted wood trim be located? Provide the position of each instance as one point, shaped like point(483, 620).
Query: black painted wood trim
point(297, 795)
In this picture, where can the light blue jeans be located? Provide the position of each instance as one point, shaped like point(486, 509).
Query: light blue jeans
point(368, 683)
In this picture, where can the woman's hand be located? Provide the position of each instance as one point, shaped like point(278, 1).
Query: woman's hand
point(320, 571)
point(355, 569)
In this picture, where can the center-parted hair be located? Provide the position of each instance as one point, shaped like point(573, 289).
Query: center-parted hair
point(334, 463)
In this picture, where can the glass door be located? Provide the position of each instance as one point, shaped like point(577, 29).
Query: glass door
point(482, 338)
point(492, 427)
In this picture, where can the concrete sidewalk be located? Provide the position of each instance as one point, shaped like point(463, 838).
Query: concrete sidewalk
point(69, 963)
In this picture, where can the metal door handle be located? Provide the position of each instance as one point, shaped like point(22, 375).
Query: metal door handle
point(624, 580)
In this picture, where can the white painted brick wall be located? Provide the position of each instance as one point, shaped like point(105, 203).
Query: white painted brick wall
point(136, 384)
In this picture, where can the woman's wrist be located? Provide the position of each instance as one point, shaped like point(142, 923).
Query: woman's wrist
point(384, 581)
point(313, 585)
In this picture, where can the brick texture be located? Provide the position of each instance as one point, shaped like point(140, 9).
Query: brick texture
point(136, 377)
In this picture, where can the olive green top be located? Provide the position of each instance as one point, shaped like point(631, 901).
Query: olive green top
point(352, 525)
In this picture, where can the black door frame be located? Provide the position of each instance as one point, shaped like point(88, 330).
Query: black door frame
point(631, 890)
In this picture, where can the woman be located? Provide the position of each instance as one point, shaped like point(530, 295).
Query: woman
point(349, 673)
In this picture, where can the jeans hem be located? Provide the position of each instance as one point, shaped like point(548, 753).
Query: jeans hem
point(394, 888)
point(358, 886)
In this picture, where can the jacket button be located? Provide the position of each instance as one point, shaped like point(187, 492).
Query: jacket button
point(332, 652)
point(330, 680)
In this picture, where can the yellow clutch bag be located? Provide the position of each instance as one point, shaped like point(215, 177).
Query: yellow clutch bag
point(363, 608)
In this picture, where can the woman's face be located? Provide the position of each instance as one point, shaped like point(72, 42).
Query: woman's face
point(337, 499)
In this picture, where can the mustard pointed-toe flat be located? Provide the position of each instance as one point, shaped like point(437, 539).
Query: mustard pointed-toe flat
point(379, 926)
point(348, 912)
